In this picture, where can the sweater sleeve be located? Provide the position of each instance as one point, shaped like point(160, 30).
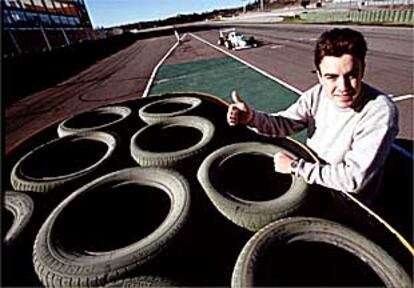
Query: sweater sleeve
point(284, 123)
point(371, 144)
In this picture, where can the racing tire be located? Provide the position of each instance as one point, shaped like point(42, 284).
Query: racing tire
point(21, 206)
point(57, 264)
point(307, 229)
point(148, 138)
point(166, 108)
point(227, 44)
point(45, 178)
point(251, 215)
point(93, 120)
point(143, 281)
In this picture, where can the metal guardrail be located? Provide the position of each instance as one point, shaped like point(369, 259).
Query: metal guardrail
point(362, 16)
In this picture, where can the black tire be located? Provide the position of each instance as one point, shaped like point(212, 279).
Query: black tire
point(227, 44)
point(21, 206)
point(93, 120)
point(166, 108)
point(57, 264)
point(308, 229)
point(143, 281)
point(23, 179)
point(251, 215)
point(146, 141)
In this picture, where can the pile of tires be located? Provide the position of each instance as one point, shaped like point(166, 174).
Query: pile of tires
point(100, 169)
point(160, 191)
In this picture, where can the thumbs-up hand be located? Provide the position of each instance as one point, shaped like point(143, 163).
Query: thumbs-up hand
point(238, 113)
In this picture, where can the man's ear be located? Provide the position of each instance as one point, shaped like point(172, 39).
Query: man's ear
point(319, 75)
point(363, 70)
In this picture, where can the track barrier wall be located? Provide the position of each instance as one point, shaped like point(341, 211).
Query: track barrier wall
point(405, 16)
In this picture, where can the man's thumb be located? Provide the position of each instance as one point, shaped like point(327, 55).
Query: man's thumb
point(236, 97)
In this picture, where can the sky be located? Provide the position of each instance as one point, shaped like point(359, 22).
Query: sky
point(108, 13)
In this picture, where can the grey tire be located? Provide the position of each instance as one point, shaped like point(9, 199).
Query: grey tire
point(143, 281)
point(251, 215)
point(33, 178)
point(21, 206)
point(289, 230)
point(145, 156)
point(59, 265)
point(165, 108)
point(93, 120)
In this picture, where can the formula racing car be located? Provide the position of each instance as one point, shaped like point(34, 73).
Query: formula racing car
point(232, 39)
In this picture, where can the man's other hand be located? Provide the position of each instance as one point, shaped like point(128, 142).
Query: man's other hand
point(282, 162)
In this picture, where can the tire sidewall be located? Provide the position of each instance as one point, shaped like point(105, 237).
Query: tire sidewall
point(250, 214)
point(23, 182)
point(64, 130)
point(317, 230)
point(154, 117)
point(21, 206)
point(66, 264)
point(174, 158)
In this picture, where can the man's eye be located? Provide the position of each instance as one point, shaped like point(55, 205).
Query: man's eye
point(331, 77)
point(353, 76)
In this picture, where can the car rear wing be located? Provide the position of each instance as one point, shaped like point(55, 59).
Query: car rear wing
point(226, 30)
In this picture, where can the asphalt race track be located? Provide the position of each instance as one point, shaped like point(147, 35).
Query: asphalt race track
point(122, 76)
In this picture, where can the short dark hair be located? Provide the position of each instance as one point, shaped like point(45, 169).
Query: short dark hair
point(337, 42)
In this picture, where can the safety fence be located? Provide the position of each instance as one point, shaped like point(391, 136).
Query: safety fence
point(362, 16)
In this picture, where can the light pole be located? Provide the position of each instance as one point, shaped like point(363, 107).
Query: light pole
point(244, 6)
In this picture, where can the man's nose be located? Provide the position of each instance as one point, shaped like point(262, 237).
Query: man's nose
point(344, 83)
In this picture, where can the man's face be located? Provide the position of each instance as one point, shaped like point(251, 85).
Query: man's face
point(341, 77)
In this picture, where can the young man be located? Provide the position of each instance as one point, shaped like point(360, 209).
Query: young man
point(351, 125)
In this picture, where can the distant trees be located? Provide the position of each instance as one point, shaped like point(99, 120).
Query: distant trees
point(179, 19)
point(187, 18)
point(304, 3)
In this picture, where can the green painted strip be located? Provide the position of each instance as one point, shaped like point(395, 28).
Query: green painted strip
point(219, 76)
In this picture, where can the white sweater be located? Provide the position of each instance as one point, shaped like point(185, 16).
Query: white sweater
point(352, 143)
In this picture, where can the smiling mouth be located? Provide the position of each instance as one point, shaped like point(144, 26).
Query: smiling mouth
point(344, 97)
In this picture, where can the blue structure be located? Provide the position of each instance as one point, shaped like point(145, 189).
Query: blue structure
point(31, 26)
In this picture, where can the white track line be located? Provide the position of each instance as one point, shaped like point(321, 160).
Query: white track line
point(248, 64)
point(154, 72)
point(402, 97)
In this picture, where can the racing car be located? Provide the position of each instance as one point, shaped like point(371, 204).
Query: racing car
point(232, 39)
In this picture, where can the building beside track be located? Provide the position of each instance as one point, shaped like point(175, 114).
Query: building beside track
point(31, 26)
